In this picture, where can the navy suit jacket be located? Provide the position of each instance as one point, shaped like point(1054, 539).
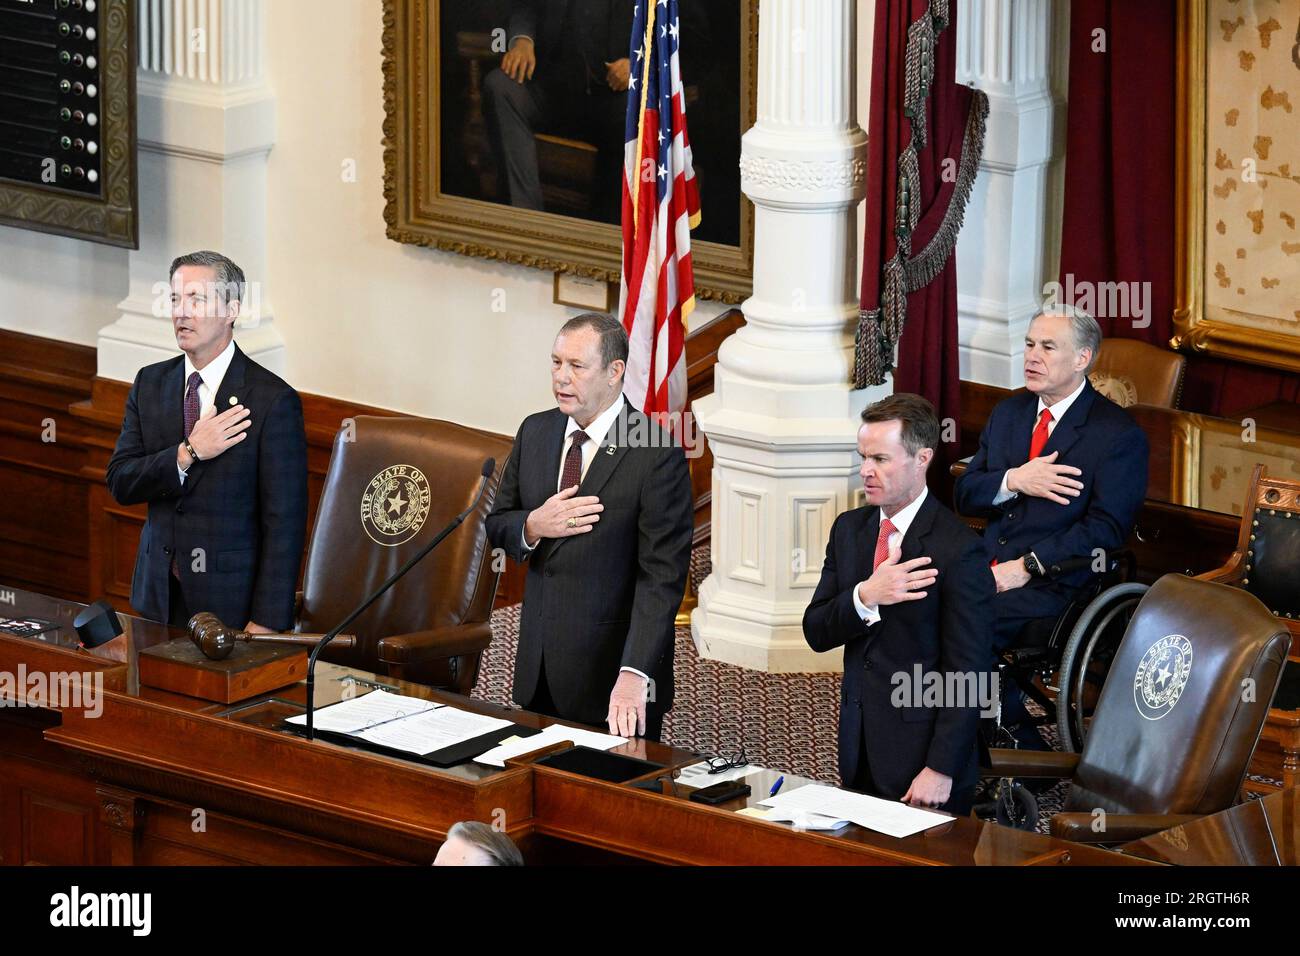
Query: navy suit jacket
point(246, 509)
point(606, 599)
point(949, 631)
point(1096, 436)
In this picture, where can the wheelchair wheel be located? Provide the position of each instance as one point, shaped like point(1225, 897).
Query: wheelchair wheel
point(1015, 806)
point(1086, 659)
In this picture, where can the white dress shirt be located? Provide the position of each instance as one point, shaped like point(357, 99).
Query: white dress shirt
point(596, 433)
point(901, 520)
point(212, 375)
point(1058, 412)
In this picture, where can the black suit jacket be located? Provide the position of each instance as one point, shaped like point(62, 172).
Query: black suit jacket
point(545, 20)
point(948, 631)
point(1096, 436)
point(246, 509)
point(605, 599)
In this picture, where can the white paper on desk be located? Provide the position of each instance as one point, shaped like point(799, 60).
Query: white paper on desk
point(697, 774)
point(889, 817)
point(497, 756)
point(803, 820)
point(376, 707)
point(432, 730)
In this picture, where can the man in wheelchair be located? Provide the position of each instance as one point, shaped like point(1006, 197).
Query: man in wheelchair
point(1060, 474)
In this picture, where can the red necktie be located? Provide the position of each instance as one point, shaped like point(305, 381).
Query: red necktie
point(882, 543)
point(1040, 434)
point(1036, 444)
point(572, 474)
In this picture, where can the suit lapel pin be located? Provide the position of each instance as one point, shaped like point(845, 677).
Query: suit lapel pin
point(609, 449)
point(234, 400)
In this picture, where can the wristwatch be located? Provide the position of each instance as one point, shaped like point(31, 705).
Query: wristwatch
point(1032, 565)
point(190, 448)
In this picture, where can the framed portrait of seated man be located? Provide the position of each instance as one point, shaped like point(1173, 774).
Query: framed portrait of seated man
point(504, 135)
point(1237, 254)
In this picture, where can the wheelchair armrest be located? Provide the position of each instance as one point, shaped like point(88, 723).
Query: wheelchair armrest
point(1030, 763)
point(1119, 827)
point(1084, 562)
point(437, 643)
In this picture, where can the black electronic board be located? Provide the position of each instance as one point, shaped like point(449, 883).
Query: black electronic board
point(67, 118)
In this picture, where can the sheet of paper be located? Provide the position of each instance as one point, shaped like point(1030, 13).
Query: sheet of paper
point(801, 820)
point(377, 707)
point(497, 756)
point(697, 774)
point(889, 817)
point(432, 730)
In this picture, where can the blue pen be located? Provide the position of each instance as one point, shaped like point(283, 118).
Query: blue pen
point(776, 786)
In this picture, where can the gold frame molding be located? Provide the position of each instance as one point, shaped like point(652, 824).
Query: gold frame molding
point(416, 212)
point(115, 218)
point(1193, 332)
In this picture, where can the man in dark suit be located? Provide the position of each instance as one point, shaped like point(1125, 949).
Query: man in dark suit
point(597, 500)
point(215, 445)
point(566, 72)
point(905, 590)
point(1060, 473)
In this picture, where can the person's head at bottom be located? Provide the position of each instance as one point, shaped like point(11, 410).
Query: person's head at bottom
point(471, 843)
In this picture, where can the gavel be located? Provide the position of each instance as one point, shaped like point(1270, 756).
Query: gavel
point(217, 641)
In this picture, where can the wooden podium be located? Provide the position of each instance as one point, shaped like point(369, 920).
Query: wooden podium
point(123, 782)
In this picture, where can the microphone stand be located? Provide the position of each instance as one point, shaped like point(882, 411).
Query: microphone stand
point(488, 467)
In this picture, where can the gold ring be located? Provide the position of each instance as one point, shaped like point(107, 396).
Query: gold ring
point(572, 522)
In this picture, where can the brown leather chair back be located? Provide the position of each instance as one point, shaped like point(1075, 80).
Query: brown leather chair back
point(1129, 372)
point(1184, 702)
point(393, 483)
point(1272, 571)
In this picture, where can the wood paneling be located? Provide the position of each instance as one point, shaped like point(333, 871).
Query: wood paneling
point(63, 534)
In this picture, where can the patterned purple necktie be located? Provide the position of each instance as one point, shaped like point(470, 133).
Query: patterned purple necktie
point(191, 416)
point(572, 474)
point(192, 402)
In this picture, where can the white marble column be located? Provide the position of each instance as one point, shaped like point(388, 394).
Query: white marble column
point(206, 127)
point(1015, 51)
point(782, 421)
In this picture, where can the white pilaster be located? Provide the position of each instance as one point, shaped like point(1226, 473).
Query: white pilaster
point(782, 419)
point(1015, 51)
point(206, 127)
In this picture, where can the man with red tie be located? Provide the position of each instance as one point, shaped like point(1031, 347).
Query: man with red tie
point(1060, 473)
point(905, 590)
point(596, 501)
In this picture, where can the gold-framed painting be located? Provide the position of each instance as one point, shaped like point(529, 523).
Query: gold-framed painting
point(1212, 459)
point(510, 150)
point(1237, 219)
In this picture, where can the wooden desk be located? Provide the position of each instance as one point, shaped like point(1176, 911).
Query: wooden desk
point(1263, 832)
point(161, 779)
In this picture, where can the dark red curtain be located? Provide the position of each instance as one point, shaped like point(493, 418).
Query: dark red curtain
point(925, 136)
point(1118, 218)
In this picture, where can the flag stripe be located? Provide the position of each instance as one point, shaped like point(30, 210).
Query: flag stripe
point(661, 205)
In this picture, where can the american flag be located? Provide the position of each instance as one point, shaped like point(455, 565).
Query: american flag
point(661, 204)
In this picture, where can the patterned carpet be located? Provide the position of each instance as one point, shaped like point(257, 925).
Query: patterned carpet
point(783, 721)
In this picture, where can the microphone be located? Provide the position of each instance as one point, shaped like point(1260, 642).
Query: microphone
point(489, 466)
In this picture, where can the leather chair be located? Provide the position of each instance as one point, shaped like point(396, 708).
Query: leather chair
point(1129, 372)
point(392, 483)
point(1174, 729)
point(1267, 559)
